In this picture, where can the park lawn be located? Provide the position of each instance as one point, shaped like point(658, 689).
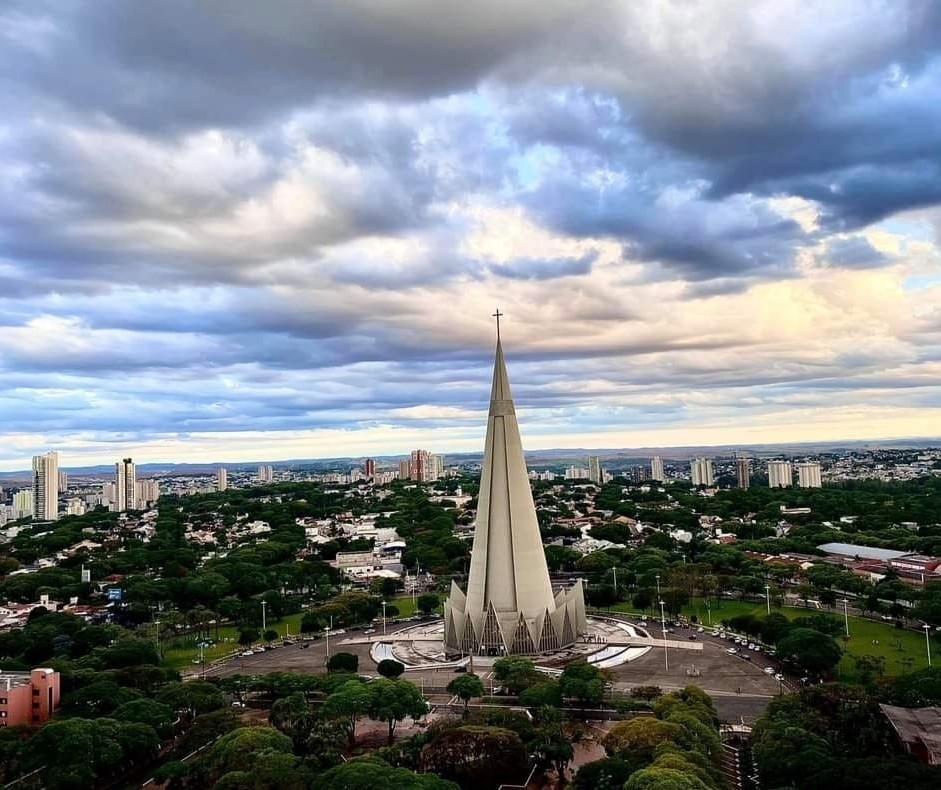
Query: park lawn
point(183, 650)
point(903, 650)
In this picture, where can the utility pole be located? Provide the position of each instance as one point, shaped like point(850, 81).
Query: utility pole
point(927, 642)
point(383, 618)
point(264, 621)
point(663, 630)
point(846, 618)
point(615, 582)
point(329, 629)
point(768, 596)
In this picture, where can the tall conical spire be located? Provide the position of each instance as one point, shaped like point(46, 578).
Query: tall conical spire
point(509, 605)
point(508, 565)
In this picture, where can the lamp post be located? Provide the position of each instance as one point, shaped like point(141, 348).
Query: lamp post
point(658, 588)
point(327, 632)
point(663, 630)
point(383, 618)
point(768, 596)
point(927, 642)
point(264, 622)
point(846, 617)
point(615, 582)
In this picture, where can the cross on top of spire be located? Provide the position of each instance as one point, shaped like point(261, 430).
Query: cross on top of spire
point(497, 316)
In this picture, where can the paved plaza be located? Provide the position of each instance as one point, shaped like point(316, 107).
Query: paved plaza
point(740, 688)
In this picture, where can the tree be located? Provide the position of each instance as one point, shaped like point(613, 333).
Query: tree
point(545, 694)
point(583, 682)
point(656, 778)
point(609, 773)
point(466, 687)
point(294, 717)
point(270, 635)
point(248, 636)
point(813, 651)
point(343, 662)
point(475, 756)
point(310, 623)
point(371, 773)
point(642, 600)
point(516, 673)
point(552, 746)
point(193, 697)
point(348, 704)
point(428, 602)
point(393, 700)
point(247, 750)
point(147, 711)
point(390, 668)
point(638, 738)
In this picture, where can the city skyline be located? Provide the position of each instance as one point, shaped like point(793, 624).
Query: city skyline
point(324, 213)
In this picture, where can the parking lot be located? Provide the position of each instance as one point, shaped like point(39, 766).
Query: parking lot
point(740, 687)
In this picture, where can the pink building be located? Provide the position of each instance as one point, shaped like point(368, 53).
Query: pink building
point(28, 698)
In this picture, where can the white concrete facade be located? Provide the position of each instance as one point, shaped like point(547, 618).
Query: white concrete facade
point(509, 606)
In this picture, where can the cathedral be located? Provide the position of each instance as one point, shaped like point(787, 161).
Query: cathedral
point(510, 607)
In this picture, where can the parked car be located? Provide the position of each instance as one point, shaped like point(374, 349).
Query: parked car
point(779, 677)
point(768, 670)
point(247, 653)
point(732, 651)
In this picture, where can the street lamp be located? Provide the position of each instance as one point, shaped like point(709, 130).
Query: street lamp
point(768, 596)
point(927, 642)
point(264, 622)
point(327, 632)
point(383, 618)
point(846, 617)
point(663, 630)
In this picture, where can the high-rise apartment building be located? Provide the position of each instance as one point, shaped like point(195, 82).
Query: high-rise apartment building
point(369, 467)
point(75, 507)
point(742, 472)
point(808, 475)
point(63, 482)
point(418, 465)
point(702, 472)
point(46, 486)
point(656, 469)
point(435, 467)
point(125, 486)
point(23, 504)
point(594, 469)
point(405, 470)
point(265, 474)
point(222, 479)
point(576, 473)
point(780, 474)
point(148, 492)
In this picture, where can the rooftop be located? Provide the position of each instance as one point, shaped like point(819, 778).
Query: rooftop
point(863, 552)
point(919, 728)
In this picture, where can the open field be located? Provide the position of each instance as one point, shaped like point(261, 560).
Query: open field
point(903, 650)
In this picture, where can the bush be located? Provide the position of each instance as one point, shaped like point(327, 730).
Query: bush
point(343, 662)
point(390, 668)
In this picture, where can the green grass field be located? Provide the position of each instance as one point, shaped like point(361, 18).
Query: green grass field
point(902, 650)
point(182, 651)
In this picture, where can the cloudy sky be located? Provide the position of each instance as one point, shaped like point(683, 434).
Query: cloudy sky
point(233, 230)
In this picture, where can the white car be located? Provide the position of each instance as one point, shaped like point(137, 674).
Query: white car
point(369, 631)
point(769, 670)
point(247, 653)
point(731, 651)
point(779, 677)
point(751, 646)
point(700, 630)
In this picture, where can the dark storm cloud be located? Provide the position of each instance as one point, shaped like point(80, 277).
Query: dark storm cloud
point(853, 252)
point(542, 269)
